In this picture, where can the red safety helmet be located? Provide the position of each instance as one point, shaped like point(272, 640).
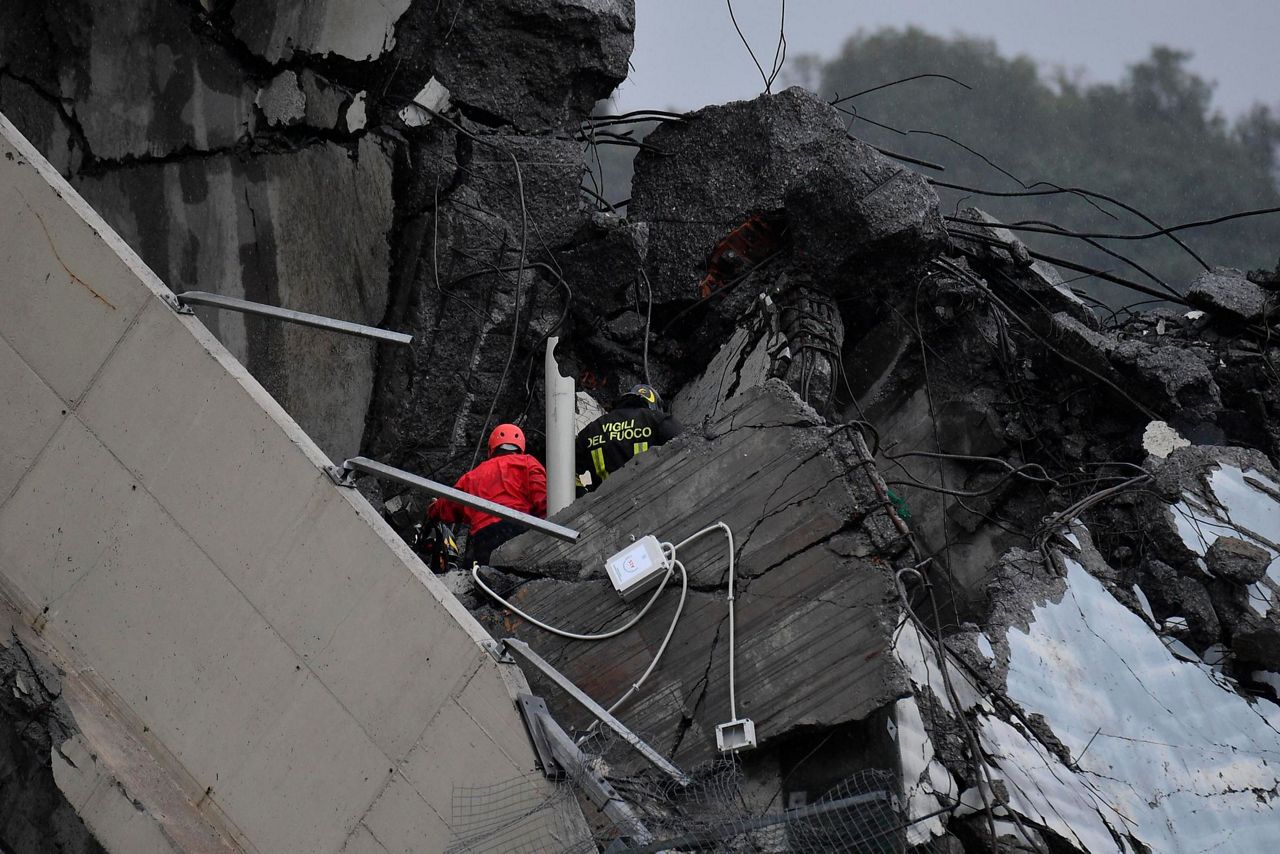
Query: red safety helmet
point(506, 434)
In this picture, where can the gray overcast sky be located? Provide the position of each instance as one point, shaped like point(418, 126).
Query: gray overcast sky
point(688, 55)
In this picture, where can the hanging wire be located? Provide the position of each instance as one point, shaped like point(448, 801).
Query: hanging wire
point(841, 100)
point(1075, 191)
point(747, 45)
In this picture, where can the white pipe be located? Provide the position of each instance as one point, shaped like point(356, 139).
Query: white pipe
point(564, 633)
point(728, 532)
point(560, 400)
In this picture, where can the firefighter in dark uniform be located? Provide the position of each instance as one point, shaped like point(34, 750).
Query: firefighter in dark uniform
point(636, 423)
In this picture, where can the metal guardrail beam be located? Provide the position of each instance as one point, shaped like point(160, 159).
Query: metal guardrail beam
point(386, 472)
point(561, 758)
point(659, 761)
point(288, 315)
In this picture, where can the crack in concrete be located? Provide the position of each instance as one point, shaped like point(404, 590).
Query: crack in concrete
point(701, 686)
point(68, 118)
point(58, 256)
point(747, 578)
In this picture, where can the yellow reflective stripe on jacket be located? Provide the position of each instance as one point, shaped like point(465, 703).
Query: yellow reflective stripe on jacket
point(597, 462)
point(639, 448)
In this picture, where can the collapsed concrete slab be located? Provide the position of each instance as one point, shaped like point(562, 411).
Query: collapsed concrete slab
point(815, 594)
point(171, 536)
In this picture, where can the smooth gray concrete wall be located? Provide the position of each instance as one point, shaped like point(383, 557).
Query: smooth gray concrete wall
point(168, 531)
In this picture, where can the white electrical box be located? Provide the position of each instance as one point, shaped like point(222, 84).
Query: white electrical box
point(637, 568)
point(736, 735)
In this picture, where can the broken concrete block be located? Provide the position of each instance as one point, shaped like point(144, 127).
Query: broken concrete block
point(276, 30)
point(1254, 636)
point(1168, 379)
point(744, 363)
point(1236, 560)
point(603, 265)
point(809, 616)
point(535, 64)
point(1090, 347)
point(1226, 292)
point(1160, 440)
point(1173, 593)
point(847, 205)
point(281, 101)
point(550, 170)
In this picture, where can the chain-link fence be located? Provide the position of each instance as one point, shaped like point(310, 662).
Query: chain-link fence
point(719, 810)
point(524, 815)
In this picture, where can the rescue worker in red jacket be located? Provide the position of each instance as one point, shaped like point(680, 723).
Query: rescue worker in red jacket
point(636, 423)
point(509, 477)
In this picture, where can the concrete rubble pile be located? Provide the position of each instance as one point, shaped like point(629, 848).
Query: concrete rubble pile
point(1018, 552)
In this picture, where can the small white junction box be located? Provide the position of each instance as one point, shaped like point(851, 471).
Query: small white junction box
point(736, 735)
point(637, 568)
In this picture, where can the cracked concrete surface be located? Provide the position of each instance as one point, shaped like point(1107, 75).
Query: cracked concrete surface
point(815, 593)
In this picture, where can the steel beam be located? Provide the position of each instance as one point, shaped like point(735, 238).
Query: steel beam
point(386, 472)
point(288, 315)
point(522, 649)
point(562, 759)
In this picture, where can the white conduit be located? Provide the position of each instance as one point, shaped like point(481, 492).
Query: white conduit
point(733, 702)
point(670, 551)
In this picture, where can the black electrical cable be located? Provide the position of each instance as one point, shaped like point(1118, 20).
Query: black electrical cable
point(601, 199)
point(841, 100)
point(1114, 254)
point(1149, 235)
point(779, 52)
point(629, 143)
point(1077, 191)
point(1008, 466)
point(1062, 262)
point(915, 161)
point(747, 45)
